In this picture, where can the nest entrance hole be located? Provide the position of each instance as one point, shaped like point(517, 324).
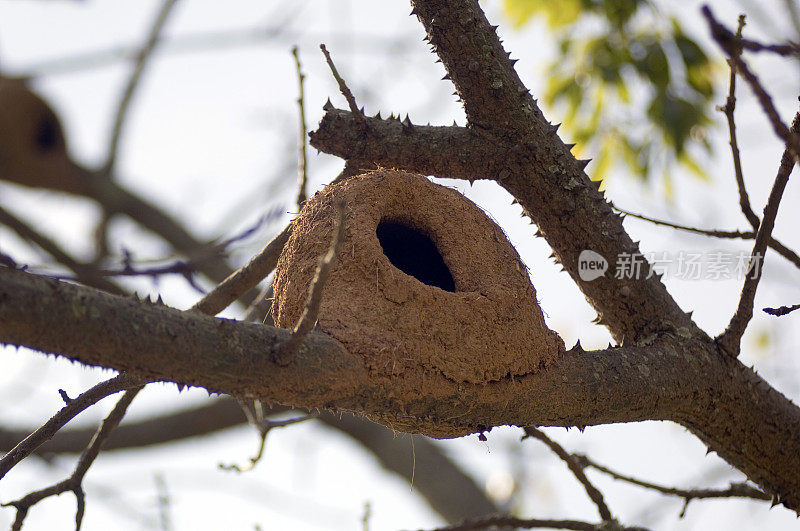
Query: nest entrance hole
point(414, 253)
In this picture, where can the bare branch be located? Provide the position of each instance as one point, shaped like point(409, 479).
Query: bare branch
point(783, 310)
point(264, 426)
point(75, 482)
point(246, 278)
point(728, 40)
point(85, 273)
point(302, 192)
point(68, 412)
point(577, 470)
point(309, 316)
point(259, 309)
point(133, 82)
point(774, 244)
point(433, 469)
point(728, 109)
point(351, 100)
point(732, 47)
point(730, 339)
point(735, 490)
point(503, 522)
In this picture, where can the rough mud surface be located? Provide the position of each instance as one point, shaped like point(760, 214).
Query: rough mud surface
point(490, 327)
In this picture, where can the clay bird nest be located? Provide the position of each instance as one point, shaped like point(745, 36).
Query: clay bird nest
point(424, 281)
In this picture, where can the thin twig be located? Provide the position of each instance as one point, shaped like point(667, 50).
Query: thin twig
point(510, 522)
point(728, 110)
point(254, 413)
point(68, 412)
point(245, 278)
point(594, 494)
point(133, 82)
point(85, 273)
point(309, 316)
point(302, 192)
point(725, 234)
point(259, 267)
point(351, 100)
point(783, 310)
point(734, 490)
point(731, 44)
point(774, 244)
point(164, 503)
point(730, 339)
point(74, 482)
point(259, 309)
point(727, 39)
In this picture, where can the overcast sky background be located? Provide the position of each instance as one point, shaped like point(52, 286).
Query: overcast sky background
point(212, 138)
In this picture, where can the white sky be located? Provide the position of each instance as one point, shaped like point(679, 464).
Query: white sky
point(212, 138)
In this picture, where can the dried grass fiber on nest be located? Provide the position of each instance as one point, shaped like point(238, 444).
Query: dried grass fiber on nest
point(481, 325)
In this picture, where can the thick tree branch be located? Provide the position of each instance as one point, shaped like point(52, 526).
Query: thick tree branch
point(568, 209)
point(680, 379)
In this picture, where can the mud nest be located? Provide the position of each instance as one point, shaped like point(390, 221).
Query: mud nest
point(424, 281)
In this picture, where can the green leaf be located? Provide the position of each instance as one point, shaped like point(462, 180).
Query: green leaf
point(557, 14)
point(654, 64)
point(691, 53)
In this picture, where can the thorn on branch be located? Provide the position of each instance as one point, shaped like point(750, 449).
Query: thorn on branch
point(65, 397)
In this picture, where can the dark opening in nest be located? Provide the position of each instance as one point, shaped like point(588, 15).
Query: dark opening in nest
point(415, 254)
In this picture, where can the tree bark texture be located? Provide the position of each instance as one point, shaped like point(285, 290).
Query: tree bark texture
point(666, 369)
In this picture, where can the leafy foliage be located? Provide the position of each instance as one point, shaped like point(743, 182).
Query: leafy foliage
point(617, 56)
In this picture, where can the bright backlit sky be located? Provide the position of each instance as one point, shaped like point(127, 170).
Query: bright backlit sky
point(212, 138)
